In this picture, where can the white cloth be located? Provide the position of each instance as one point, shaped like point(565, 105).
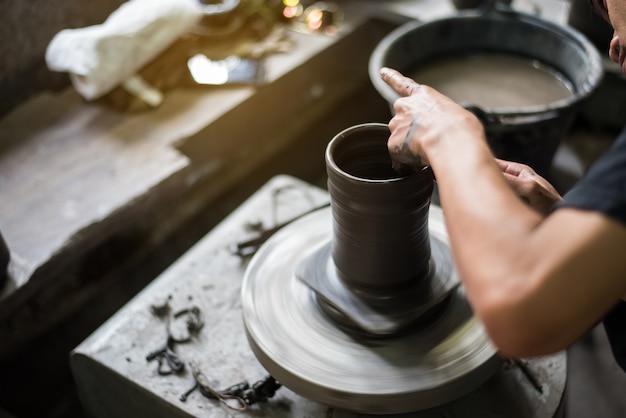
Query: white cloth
point(98, 58)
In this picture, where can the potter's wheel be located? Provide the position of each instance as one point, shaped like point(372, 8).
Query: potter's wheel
point(309, 353)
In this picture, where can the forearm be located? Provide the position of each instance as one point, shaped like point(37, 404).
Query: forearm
point(529, 278)
point(485, 218)
point(491, 232)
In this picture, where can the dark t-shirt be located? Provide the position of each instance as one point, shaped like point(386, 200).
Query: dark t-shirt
point(603, 189)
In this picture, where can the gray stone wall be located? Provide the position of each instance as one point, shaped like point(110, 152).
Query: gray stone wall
point(26, 28)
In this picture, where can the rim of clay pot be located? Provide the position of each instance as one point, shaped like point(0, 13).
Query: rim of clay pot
point(363, 129)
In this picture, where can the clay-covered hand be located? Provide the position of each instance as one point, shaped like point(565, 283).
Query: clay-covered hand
point(423, 117)
point(530, 186)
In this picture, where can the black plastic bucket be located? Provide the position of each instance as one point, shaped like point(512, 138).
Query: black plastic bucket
point(530, 134)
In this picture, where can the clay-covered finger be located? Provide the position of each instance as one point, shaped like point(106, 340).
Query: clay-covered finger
point(404, 86)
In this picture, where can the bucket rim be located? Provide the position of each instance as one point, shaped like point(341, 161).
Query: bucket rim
point(590, 84)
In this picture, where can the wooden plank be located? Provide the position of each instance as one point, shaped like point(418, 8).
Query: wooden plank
point(74, 174)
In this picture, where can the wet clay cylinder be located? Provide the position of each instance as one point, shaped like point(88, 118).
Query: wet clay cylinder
point(380, 240)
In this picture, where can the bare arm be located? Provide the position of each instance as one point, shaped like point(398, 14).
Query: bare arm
point(537, 283)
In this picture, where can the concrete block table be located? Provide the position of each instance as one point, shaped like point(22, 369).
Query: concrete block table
point(115, 379)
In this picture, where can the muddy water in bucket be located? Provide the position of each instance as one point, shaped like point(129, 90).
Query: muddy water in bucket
point(495, 80)
point(525, 132)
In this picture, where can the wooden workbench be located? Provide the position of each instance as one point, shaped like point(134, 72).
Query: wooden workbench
point(82, 183)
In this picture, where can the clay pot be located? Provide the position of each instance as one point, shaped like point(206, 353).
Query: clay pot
point(380, 218)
